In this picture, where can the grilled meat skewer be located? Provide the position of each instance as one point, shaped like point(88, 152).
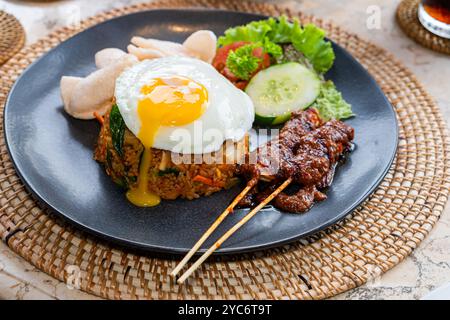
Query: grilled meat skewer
point(269, 158)
point(306, 151)
point(314, 164)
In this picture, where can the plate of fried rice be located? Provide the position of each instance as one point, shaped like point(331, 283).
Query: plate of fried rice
point(143, 129)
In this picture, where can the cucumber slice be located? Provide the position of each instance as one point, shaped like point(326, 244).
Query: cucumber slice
point(265, 120)
point(281, 89)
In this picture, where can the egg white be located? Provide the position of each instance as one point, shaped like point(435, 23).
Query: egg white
point(228, 116)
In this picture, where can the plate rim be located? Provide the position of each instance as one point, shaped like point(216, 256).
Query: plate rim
point(139, 246)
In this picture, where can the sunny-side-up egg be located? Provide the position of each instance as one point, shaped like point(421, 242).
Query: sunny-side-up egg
point(181, 105)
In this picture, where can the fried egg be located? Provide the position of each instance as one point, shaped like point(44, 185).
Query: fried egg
point(183, 105)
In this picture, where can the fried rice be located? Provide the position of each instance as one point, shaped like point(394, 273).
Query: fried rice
point(167, 179)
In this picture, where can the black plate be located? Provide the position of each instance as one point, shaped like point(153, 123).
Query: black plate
point(52, 152)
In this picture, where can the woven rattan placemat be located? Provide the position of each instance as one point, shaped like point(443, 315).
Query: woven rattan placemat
point(12, 36)
point(376, 237)
point(407, 17)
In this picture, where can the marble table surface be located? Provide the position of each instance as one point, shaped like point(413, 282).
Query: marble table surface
point(427, 268)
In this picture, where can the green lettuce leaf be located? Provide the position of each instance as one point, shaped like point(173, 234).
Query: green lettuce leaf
point(282, 30)
point(255, 31)
point(309, 40)
point(331, 104)
point(271, 48)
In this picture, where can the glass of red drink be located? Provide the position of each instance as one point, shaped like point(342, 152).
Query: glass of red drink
point(435, 16)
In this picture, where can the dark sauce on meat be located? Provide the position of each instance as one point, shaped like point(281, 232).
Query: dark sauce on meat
point(307, 151)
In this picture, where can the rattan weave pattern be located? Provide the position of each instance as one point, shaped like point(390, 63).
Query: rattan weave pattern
point(12, 36)
point(376, 237)
point(408, 20)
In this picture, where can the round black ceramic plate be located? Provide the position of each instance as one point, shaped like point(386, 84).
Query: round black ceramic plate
point(52, 152)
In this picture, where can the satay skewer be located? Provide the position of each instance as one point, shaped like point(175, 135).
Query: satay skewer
point(214, 226)
point(300, 124)
point(230, 232)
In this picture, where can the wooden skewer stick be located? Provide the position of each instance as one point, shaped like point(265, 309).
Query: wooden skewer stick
point(213, 227)
point(233, 230)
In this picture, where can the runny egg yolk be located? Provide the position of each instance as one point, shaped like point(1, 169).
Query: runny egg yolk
point(168, 101)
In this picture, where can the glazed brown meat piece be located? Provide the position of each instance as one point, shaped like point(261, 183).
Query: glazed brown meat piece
point(306, 151)
point(318, 152)
point(315, 162)
point(301, 123)
point(272, 157)
point(301, 201)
